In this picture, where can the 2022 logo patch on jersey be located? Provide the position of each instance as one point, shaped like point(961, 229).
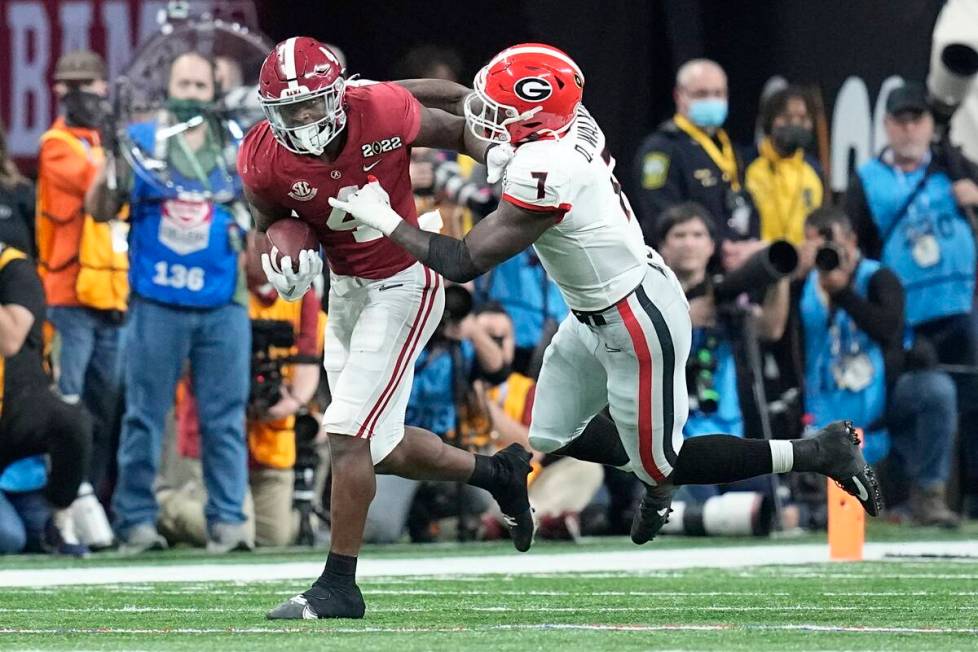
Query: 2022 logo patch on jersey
point(381, 146)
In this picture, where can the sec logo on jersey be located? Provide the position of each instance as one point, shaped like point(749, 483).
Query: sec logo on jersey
point(533, 89)
point(302, 191)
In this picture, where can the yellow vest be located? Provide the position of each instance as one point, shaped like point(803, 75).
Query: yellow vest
point(272, 443)
point(102, 258)
point(785, 191)
point(7, 254)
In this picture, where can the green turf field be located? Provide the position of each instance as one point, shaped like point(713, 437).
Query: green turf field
point(905, 605)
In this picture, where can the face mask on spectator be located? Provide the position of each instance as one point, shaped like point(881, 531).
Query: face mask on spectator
point(708, 113)
point(184, 110)
point(83, 109)
point(789, 138)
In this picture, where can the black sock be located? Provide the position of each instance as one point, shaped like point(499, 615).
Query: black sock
point(486, 472)
point(720, 459)
point(599, 442)
point(340, 570)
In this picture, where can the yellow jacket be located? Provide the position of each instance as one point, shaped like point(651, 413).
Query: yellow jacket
point(785, 191)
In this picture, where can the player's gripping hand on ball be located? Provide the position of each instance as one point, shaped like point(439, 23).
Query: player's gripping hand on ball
point(290, 283)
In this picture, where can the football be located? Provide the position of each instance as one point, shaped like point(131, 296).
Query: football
point(289, 237)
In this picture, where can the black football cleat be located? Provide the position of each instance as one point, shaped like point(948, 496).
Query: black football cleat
point(841, 459)
point(514, 462)
point(321, 602)
point(652, 513)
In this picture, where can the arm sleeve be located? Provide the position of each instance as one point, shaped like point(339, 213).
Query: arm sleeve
point(880, 314)
point(862, 220)
point(20, 285)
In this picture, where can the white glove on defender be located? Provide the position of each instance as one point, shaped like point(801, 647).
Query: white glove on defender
point(289, 284)
point(497, 158)
point(371, 206)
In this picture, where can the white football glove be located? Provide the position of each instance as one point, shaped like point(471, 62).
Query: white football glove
point(370, 205)
point(497, 158)
point(289, 284)
point(431, 221)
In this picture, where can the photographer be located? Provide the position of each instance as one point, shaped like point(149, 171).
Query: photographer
point(460, 351)
point(687, 243)
point(852, 317)
point(187, 302)
point(285, 369)
point(910, 209)
point(33, 420)
point(81, 262)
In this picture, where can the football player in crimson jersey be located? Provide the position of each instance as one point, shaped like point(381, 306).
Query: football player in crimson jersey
point(323, 135)
point(628, 337)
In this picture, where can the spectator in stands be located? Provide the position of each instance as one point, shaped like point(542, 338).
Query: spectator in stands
point(271, 422)
point(908, 208)
point(687, 243)
point(690, 158)
point(784, 180)
point(524, 290)
point(16, 204)
point(33, 420)
point(460, 352)
point(82, 265)
point(189, 302)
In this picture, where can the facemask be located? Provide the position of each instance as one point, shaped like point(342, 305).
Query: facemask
point(709, 113)
point(184, 110)
point(790, 138)
point(308, 138)
point(84, 109)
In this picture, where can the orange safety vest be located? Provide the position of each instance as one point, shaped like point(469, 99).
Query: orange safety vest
point(272, 443)
point(80, 261)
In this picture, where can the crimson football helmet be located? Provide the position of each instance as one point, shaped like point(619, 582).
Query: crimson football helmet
point(301, 88)
point(527, 91)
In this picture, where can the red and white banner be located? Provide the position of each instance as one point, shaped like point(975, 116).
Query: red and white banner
point(34, 33)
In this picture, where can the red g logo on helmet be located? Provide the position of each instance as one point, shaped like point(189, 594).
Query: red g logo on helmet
point(525, 92)
point(533, 89)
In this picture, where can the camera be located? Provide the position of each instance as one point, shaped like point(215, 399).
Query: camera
point(830, 255)
point(700, 376)
point(266, 368)
point(763, 269)
point(304, 483)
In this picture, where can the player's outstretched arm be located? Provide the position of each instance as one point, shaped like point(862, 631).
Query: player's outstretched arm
point(442, 130)
point(505, 232)
point(440, 94)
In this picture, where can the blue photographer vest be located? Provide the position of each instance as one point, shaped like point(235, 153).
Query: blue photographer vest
point(831, 341)
point(930, 247)
point(728, 418)
point(183, 250)
point(432, 402)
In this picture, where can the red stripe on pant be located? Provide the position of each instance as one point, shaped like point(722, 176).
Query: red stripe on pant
point(644, 355)
point(392, 381)
point(417, 339)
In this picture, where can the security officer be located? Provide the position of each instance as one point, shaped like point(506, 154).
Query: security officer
point(691, 158)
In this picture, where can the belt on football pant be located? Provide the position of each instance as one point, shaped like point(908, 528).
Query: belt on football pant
point(596, 317)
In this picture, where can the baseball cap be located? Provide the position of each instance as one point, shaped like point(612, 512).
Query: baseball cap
point(80, 65)
point(911, 96)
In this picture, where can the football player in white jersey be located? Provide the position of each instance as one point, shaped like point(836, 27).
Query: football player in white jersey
point(627, 338)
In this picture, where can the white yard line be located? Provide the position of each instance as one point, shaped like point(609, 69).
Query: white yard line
point(487, 628)
point(639, 560)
